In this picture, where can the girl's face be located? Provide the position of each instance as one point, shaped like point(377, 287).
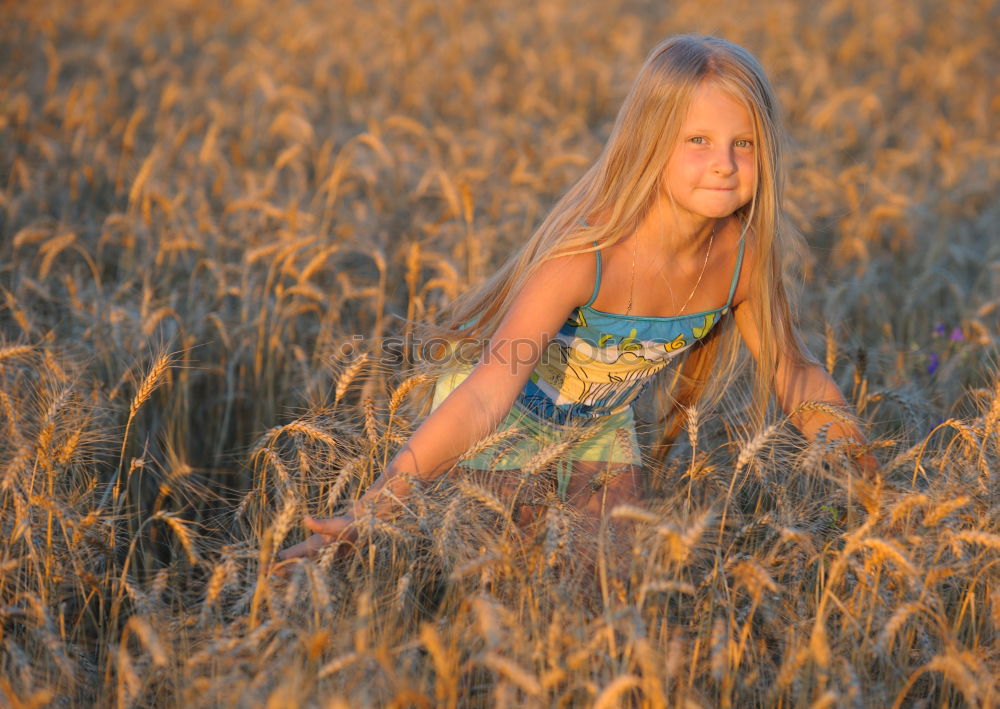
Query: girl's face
point(712, 170)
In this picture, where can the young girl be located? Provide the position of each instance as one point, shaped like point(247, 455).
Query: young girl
point(670, 244)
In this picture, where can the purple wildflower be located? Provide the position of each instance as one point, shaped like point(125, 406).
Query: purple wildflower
point(956, 335)
point(939, 329)
point(935, 360)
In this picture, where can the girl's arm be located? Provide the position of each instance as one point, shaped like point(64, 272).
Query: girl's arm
point(798, 380)
point(478, 404)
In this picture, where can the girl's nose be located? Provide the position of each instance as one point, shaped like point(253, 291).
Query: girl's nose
point(724, 163)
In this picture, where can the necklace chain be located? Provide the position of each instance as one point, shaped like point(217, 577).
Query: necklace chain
point(704, 265)
point(631, 282)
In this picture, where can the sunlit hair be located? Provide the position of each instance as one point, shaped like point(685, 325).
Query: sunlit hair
point(622, 186)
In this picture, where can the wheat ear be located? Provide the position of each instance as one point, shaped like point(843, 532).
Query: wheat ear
point(149, 384)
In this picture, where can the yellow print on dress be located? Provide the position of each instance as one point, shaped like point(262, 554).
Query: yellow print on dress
point(562, 374)
point(579, 321)
point(677, 343)
point(700, 332)
point(629, 344)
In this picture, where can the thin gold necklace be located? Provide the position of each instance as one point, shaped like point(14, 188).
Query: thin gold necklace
point(704, 265)
point(631, 282)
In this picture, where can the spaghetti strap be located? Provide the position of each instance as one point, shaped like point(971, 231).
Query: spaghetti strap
point(597, 281)
point(736, 273)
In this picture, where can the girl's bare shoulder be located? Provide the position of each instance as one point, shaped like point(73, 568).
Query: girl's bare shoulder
point(571, 276)
point(549, 293)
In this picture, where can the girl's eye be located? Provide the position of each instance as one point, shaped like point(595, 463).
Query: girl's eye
point(744, 143)
point(698, 140)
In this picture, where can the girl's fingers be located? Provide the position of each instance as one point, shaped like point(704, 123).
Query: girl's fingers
point(869, 466)
point(291, 555)
point(328, 527)
point(295, 551)
point(280, 570)
point(325, 531)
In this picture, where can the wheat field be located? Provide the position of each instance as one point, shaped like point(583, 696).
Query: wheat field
point(217, 220)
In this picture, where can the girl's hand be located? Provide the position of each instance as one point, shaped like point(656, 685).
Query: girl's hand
point(868, 466)
point(325, 531)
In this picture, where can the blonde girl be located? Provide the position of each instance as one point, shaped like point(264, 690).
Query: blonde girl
point(669, 247)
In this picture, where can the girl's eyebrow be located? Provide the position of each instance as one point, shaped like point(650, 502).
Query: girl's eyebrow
point(709, 131)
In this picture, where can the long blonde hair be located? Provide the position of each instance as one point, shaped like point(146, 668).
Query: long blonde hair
point(623, 184)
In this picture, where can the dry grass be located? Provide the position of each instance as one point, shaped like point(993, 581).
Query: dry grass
point(250, 185)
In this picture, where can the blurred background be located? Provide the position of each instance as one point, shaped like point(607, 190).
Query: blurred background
point(252, 182)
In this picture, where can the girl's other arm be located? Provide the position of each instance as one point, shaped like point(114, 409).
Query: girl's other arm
point(798, 380)
point(481, 401)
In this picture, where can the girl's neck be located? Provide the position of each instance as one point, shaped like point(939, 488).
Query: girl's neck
point(681, 237)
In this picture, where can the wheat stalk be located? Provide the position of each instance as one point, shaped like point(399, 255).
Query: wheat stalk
point(545, 455)
point(183, 534)
point(829, 698)
point(896, 622)
point(941, 510)
point(512, 671)
point(669, 586)
point(556, 535)
point(884, 549)
point(634, 514)
point(15, 352)
point(749, 574)
point(141, 628)
point(481, 495)
point(819, 644)
point(489, 442)
point(445, 690)
point(128, 681)
point(975, 536)
point(488, 621)
point(223, 573)
point(483, 565)
point(283, 523)
point(347, 376)
point(953, 668)
point(338, 664)
point(7, 404)
point(751, 448)
point(404, 389)
point(402, 592)
point(161, 365)
point(692, 420)
point(371, 421)
point(906, 504)
point(310, 431)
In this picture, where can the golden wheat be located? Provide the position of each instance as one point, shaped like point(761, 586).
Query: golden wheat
point(279, 191)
